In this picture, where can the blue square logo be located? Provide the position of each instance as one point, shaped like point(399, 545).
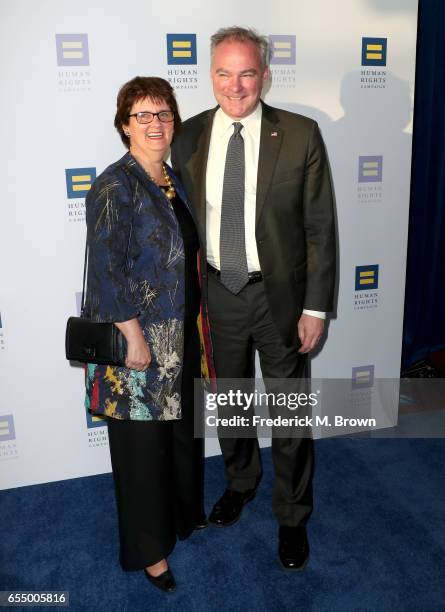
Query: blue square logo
point(95, 421)
point(370, 169)
point(181, 49)
point(366, 277)
point(282, 49)
point(72, 50)
point(79, 181)
point(374, 51)
point(7, 429)
point(363, 377)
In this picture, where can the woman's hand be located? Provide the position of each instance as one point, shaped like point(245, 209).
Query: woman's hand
point(138, 355)
point(138, 352)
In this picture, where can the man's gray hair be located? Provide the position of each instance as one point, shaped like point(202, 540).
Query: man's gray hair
point(242, 35)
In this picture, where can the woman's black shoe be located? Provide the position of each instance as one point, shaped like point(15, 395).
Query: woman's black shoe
point(165, 581)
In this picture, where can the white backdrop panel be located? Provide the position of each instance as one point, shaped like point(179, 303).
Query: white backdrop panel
point(61, 117)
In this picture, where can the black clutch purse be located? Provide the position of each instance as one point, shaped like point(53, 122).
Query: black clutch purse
point(91, 342)
point(88, 341)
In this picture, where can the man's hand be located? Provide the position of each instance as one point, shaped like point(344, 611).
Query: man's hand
point(310, 330)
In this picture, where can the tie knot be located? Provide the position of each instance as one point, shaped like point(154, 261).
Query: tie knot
point(237, 128)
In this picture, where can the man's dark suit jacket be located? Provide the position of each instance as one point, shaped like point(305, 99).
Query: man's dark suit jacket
point(295, 232)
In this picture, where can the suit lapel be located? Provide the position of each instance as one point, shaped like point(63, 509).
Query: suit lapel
point(270, 144)
point(197, 166)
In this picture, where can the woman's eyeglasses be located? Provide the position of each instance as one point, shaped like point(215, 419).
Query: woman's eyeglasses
point(146, 117)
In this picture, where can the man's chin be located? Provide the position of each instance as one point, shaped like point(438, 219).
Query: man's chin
point(236, 111)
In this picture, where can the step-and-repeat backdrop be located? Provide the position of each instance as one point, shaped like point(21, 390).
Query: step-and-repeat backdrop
point(348, 64)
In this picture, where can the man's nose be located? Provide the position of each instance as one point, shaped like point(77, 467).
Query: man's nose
point(236, 83)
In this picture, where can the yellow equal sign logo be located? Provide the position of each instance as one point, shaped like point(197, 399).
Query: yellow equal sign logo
point(4, 428)
point(374, 51)
point(363, 377)
point(370, 168)
point(7, 429)
point(366, 277)
point(72, 50)
point(79, 181)
point(282, 49)
point(182, 48)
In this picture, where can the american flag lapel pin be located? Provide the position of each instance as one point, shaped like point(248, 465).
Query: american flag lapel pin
point(274, 134)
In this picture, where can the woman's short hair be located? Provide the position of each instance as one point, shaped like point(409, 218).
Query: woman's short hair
point(159, 90)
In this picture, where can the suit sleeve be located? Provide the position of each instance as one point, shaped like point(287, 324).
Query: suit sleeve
point(110, 292)
point(319, 227)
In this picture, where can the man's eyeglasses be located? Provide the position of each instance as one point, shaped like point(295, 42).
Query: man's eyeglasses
point(146, 117)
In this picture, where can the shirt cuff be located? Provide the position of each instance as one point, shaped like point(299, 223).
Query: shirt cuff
point(315, 313)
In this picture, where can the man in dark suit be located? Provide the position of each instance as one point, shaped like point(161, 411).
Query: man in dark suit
point(258, 179)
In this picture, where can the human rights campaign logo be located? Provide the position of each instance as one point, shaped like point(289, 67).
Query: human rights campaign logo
point(282, 49)
point(7, 429)
point(72, 50)
point(366, 277)
point(181, 49)
point(94, 420)
point(374, 51)
point(370, 168)
point(79, 181)
point(363, 377)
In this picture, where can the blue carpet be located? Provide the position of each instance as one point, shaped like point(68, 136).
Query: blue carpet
point(377, 540)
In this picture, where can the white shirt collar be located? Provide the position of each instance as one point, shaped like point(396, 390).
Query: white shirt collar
point(222, 123)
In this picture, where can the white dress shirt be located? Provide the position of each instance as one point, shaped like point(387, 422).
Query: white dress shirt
point(222, 130)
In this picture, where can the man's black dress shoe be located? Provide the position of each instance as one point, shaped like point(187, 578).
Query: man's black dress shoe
point(293, 548)
point(228, 508)
point(165, 581)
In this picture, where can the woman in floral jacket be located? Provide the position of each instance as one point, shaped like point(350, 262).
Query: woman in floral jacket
point(142, 276)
